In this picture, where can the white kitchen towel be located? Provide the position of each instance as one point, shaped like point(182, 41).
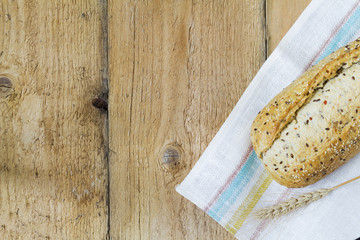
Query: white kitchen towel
point(230, 183)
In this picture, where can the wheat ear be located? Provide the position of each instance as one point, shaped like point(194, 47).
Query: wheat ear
point(292, 204)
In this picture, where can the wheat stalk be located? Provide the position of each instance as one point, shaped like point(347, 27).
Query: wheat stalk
point(292, 204)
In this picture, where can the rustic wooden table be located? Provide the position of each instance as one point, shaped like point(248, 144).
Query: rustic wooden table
point(174, 69)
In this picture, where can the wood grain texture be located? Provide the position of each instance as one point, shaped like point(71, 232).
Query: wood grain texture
point(53, 172)
point(176, 68)
point(280, 16)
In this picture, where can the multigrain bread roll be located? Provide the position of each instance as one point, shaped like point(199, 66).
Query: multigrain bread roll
point(313, 126)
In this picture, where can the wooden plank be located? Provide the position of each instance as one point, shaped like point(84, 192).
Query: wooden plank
point(280, 16)
point(177, 68)
point(53, 172)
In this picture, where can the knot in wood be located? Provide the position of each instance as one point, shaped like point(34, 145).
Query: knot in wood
point(5, 83)
point(171, 155)
point(100, 103)
point(5, 86)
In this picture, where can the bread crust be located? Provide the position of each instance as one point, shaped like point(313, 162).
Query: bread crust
point(282, 110)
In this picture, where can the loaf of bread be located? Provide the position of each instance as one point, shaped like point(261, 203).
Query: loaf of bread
point(313, 126)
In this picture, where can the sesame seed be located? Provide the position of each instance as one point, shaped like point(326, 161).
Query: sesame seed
point(327, 129)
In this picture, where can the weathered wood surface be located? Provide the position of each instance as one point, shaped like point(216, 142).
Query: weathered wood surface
point(53, 168)
point(177, 68)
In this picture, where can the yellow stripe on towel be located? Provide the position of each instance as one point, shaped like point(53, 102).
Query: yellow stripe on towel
point(249, 203)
